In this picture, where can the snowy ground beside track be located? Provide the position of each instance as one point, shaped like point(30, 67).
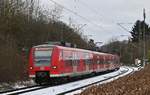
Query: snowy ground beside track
point(122, 69)
point(69, 86)
point(16, 85)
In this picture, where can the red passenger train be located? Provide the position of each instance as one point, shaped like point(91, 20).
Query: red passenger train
point(54, 62)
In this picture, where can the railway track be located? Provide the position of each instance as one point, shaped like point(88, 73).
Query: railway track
point(68, 87)
point(108, 79)
point(21, 90)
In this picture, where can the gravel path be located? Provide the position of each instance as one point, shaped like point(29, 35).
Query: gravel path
point(134, 84)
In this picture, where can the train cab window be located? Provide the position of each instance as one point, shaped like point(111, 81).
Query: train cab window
point(42, 57)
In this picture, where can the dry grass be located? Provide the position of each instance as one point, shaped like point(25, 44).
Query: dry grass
point(135, 84)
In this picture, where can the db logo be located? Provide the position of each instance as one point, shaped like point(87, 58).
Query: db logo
point(41, 68)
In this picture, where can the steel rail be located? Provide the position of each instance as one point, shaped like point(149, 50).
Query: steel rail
point(28, 90)
point(94, 83)
point(11, 90)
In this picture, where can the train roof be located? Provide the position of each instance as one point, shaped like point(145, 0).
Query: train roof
point(44, 45)
point(83, 50)
point(69, 48)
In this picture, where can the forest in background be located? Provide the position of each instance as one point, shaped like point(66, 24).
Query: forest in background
point(24, 24)
point(133, 48)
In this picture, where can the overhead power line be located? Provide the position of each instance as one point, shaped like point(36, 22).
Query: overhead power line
point(120, 24)
point(123, 27)
point(95, 11)
point(91, 9)
point(75, 13)
point(100, 15)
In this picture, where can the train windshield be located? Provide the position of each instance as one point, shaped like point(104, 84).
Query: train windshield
point(42, 57)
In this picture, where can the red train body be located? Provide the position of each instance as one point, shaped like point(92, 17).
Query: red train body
point(53, 61)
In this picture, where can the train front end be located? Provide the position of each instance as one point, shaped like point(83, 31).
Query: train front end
point(39, 63)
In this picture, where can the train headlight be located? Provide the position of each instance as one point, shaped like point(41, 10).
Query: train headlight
point(54, 67)
point(31, 68)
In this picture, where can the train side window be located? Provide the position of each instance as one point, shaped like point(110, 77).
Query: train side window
point(87, 58)
point(67, 57)
point(75, 58)
point(104, 60)
point(98, 61)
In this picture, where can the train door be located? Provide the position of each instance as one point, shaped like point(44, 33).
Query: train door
point(68, 65)
point(112, 62)
point(101, 63)
point(107, 62)
point(75, 62)
point(94, 65)
point(86, 61)
point(98, 63)
point(91, 63)
point(104, 62)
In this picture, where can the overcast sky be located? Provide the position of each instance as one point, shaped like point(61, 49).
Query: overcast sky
point(103, 16)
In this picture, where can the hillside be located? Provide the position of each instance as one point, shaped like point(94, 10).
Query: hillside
point(23, 24)
point(137, 83)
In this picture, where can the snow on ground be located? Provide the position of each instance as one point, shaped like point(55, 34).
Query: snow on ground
point(69, 86)
point(19, 84)
point(122, 69)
